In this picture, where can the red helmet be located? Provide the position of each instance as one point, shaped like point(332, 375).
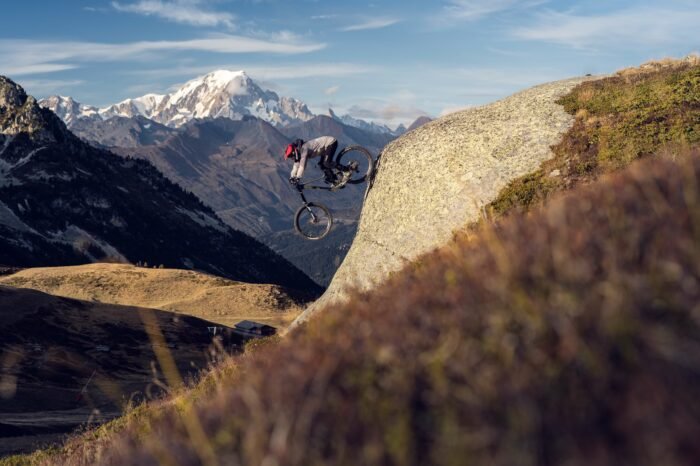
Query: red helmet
point(296, 145)
point(290, 150)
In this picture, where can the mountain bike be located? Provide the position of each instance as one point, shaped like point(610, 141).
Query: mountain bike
point(353, 165)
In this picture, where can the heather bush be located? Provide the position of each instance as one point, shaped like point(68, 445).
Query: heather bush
point(568, 336)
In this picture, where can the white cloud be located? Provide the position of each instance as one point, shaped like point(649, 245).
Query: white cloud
point(190, 12)
point(267, 72)
point(639, 27)
point(22, 69)
point(22, 57)
point(474, 10)
point(387, 112)
point(48, 86)
point(332, 90)
point(301, 71)
point(377, 23)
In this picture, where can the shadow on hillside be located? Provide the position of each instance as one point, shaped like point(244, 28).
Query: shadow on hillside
point(66, 363)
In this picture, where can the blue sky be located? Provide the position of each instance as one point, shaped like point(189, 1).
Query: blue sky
point(387, 60)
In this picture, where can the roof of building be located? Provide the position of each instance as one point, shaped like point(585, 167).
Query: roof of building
point(249, 325)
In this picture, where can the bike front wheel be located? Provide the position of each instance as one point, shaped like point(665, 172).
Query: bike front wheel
point(313, 221)
point(359, 160)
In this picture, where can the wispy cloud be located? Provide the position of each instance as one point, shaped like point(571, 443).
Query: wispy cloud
point(628, 28)
point(25, 67)
point(386, 111)
point(192, 12)
point(23, 57)
point(49, 86)
point(303, 70)
point(473, 10)
point(332, 90)
point(375, 23)
point(317, 70)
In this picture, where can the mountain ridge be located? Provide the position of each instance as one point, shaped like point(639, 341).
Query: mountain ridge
point(220, 93)
point(65, 202)
point(237, 168)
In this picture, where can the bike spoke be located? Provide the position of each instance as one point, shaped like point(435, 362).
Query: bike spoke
point(356, 161)
point(313, 222)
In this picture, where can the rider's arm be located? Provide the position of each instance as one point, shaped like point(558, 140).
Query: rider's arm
point(301, 165)
point(295, 168)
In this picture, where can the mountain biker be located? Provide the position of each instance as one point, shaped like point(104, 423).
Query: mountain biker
point(323, 147)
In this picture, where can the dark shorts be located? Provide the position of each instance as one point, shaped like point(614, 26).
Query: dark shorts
point(327, 156)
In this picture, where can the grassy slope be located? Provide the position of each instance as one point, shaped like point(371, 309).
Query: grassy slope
point(637, 113)
point(187, 292)
point(570, 335)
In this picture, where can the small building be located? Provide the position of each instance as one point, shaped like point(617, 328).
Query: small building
point(255, 329)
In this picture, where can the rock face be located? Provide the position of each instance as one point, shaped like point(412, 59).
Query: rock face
point(437, 178)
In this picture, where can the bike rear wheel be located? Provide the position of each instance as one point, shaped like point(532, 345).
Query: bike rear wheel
point(313, 221)
point(359, 159)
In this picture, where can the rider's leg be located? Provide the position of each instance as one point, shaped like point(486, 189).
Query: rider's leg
point(327, 163)
point(329, 176)
point(327, 157)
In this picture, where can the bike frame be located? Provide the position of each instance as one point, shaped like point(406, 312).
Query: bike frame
point(306, 186)
point(346, 172)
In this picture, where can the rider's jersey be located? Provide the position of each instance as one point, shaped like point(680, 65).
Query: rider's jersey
point(310, 149)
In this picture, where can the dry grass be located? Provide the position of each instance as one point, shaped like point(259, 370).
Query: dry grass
point(183, 291)
point(655, 66)
point(568, 336)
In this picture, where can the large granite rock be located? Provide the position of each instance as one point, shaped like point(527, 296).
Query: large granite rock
point(437, 178)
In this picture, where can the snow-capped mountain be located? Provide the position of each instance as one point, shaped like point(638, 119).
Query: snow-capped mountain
point(362, 124)
point(420, 121)
point(68, 109)
point(141, 106)
point(222, 93)
point(63, 202)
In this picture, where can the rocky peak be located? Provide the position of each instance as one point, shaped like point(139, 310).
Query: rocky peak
point(420, 121)
point(67, 109)
point(11, 94)
point(21, 114)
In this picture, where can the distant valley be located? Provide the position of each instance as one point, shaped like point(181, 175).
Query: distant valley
point(226, 148)
point(65, 202)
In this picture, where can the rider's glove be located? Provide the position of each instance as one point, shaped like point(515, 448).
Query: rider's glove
point(294, 181)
